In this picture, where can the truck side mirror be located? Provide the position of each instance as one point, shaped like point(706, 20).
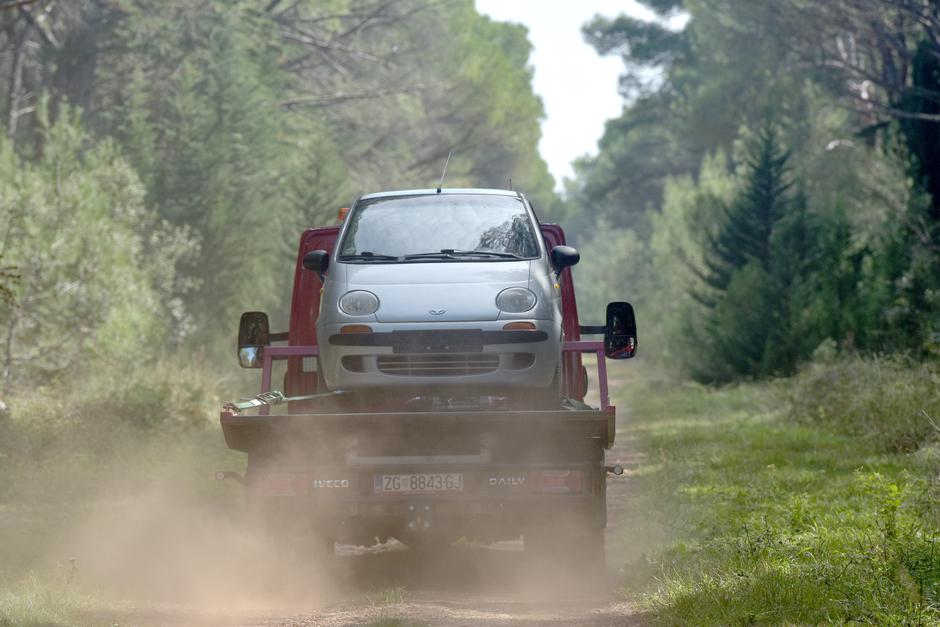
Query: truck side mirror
point(620, 331)
point(253, 336)
point(564, 256)
point(317, 261)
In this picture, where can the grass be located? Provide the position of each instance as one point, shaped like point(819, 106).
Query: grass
point(774, 516)
point(32, 601)
point(386, 601)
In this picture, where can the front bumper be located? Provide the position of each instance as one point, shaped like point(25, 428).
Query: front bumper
point(453, 355)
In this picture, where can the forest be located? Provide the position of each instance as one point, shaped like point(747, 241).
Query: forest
point(769, 190)
point(772, 186)
point(768, 199)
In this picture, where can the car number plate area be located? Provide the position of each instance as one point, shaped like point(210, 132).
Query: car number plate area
point(419, 483)
point(453, 341)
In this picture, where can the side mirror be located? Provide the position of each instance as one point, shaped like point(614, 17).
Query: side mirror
point(317, 261)
point(620, 332)
point(564, 256)
point(253, 336)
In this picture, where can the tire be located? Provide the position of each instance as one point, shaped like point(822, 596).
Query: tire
point(297, 544)
point(567, 553)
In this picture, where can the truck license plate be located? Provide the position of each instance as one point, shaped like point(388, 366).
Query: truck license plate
point(419, 483)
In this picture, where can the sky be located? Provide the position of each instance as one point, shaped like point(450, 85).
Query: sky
point(578, 87)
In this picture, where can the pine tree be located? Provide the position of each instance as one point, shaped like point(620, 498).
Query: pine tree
point(757, 271)
point(745, 235)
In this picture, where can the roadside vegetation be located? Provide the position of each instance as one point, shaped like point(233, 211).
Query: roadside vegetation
point(769, 200)
point(89, 454)
point(798, 501)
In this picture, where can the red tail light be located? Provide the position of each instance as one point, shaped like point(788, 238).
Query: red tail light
point(283, 484)
point(557, 481)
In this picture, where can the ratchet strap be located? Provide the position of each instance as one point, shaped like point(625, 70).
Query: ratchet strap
point(274, 397)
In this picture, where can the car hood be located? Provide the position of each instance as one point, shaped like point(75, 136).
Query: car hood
point(437, 292)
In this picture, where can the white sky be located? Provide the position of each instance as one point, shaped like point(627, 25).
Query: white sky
point(577, 86)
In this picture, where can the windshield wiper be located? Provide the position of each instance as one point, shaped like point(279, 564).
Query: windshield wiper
point(368, 256)
point(486, 253)
point(450, 253)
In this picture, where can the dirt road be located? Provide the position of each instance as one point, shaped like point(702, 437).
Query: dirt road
point(392, 585)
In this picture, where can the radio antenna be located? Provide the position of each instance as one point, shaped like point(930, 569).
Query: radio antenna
point(441, 184)
point(510, 183)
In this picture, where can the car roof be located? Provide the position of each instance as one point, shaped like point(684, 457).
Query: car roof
point(434, 192)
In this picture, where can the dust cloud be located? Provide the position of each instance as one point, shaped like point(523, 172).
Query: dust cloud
point(168, 559)
point(159, 540)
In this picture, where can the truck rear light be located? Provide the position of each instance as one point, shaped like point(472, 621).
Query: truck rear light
point(557, 481)
point(341, 214)
point(356, 328)
point(519, 326)
point(283, 484)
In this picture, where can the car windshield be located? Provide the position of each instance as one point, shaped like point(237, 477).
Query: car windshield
point(456, 225)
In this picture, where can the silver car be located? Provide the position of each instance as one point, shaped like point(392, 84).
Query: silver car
point(442, 292)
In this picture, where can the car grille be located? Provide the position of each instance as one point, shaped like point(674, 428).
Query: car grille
point(437, 365)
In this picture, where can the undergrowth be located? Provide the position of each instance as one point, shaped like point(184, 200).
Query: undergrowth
point(800, 501)
point(32, 601)
point(93, 441)
point(64, 439)
point(889, 403)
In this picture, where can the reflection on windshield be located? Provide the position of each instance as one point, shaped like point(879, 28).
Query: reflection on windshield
point(410, 225)
point(513, 236)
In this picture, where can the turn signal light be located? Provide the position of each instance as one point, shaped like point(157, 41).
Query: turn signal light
point(519, 326)
point(341, 215)
point(356, 328)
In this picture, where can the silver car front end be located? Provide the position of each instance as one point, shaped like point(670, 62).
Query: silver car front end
point(440, 321)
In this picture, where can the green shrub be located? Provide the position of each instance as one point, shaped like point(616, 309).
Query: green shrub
point(69, 437)
point(892, 404)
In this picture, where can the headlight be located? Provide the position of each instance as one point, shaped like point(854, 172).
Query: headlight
point(359, 303)
point(515, 300)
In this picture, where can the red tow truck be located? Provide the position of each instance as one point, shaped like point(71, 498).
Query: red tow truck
point(323, 468)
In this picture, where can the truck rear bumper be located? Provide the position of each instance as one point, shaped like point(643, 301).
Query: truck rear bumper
point(495, 502)
point(244, 432)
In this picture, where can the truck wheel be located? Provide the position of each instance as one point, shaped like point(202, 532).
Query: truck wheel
point(308, 551)
point(567, 553)
point(296, 546)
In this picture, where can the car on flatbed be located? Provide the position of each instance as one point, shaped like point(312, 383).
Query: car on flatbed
point(443, 292)
point(434, 386)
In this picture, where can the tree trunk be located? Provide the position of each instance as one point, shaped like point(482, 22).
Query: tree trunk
point(16, 82)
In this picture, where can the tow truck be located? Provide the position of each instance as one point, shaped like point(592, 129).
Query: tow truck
point(336, 465)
